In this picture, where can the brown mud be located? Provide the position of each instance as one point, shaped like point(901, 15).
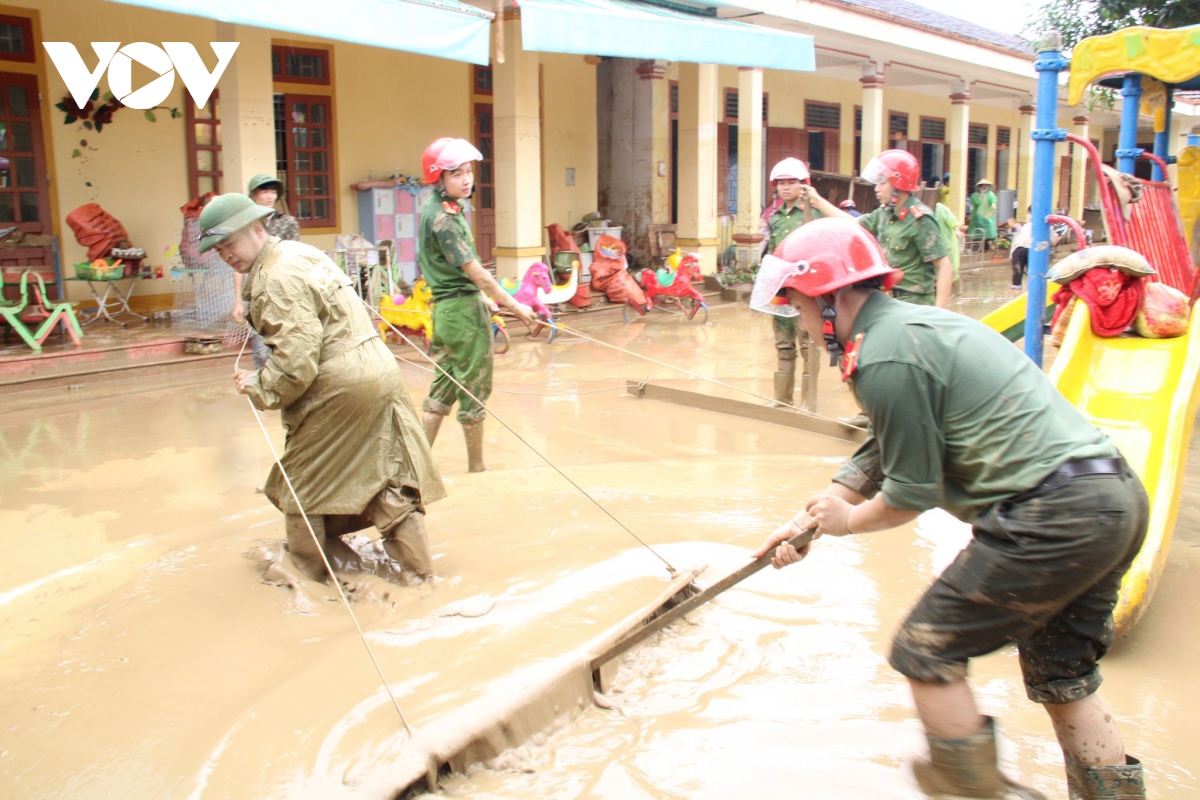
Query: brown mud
point(143, 657)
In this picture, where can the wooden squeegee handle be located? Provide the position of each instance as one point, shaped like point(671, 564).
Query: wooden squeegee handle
point(695, 601)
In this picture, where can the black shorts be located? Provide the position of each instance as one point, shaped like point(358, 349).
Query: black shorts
point(1044, 573)
point(1020, 258)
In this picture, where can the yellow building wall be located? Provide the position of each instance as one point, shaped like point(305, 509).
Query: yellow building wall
point(568, 138)
point(135, 169)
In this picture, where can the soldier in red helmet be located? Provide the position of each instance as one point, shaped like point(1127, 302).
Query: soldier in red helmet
point(906, 228)
point(462, 322)
point(961, 420)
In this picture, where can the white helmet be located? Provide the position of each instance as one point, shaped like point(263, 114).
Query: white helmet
point(792, 168)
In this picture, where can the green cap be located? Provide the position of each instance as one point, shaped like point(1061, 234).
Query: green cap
point(263, 180)
point(226, 214)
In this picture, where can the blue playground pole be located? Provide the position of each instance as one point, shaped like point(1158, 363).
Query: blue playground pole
point(1049, 64)
point(1162, 139)
point(1127, 149)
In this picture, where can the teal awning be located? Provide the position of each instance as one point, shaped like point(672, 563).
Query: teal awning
point(628, 29)
point(442, 28)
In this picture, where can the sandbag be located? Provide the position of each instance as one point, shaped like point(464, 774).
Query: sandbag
point(1164, 313)
point(609, 274)
point(1075, 265)
point(97, 230)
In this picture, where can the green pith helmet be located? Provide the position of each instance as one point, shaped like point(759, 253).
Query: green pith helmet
point(226, 214)
point(261, 181)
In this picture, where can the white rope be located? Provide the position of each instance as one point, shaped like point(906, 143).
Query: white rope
point(670, 568)
point(321, 549)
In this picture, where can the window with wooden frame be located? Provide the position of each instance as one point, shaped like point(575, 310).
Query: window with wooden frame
point(16, 39)
point(481, 80)
point(731, 107)
point(203, 129)
point(897, 125)
point(858, 139)
point(1003, 156)
point(299, 65)
point(977, 134)
point(304, 153)
point(822, 126)
point(934, 154)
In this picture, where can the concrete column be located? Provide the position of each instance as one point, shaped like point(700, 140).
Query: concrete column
point(653, 128)
point(698, 104)
point(960, 120)
point(1025, 158)
point(1079, 168)
point(518, 157)
point(247, 107)
point(874, 123)
point(750, 166)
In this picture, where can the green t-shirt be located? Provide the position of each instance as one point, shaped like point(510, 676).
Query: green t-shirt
point(784, 220)
point(911, 240)
point(445, 245)
point(960, 419)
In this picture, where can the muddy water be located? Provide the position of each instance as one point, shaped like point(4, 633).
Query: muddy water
point(142, 657)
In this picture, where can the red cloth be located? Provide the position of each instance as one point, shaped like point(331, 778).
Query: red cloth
point(609, 274)
point(1113, 299)
point(97, 230)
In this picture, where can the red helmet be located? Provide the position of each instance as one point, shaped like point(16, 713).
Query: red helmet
point(830, 253)
point(846, 204)
point(898, 166)
point(447, 153)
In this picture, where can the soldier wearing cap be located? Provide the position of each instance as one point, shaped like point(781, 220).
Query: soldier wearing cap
point(264, 190)
point(961, 420)
point(789, 177)
point(354, 449)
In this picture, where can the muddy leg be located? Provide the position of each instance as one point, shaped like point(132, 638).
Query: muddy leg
point(400, 517)
point(304, 552)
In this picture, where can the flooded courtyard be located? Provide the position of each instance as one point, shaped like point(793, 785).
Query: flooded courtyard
point(143, 657)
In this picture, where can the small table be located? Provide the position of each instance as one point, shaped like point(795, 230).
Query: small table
point(112, 298)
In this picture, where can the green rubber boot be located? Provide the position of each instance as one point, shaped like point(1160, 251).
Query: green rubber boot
point(1106, 783)
point(968, 768)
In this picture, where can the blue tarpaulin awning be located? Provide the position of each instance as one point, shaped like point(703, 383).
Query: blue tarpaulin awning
point(442, 28)
point(628, 29)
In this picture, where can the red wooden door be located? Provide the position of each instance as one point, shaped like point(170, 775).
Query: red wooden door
point(484, 200)
point(24, 189)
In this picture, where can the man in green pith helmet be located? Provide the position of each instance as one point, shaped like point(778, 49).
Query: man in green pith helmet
point(789, 177)
point(462, 322)
point(264, 190)
point(354, 450)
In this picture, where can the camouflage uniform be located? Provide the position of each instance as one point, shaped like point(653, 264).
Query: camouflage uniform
point(911, 240)
point(787, 333)
point(285, 226)
point(462, 324)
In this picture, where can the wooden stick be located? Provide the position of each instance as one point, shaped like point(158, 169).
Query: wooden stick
point(695, 601)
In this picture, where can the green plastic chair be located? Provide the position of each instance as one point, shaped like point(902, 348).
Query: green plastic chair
point(16, 313)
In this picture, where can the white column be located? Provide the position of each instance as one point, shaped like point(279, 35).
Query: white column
point(1079, 169)
point(246, 106)
point(874, 122)
point(1025, 159)
point(960, 120)
point(518, 157)
point(750, 165)
point(698, 104)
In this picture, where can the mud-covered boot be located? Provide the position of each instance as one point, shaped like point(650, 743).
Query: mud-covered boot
point(432, 423)
point(968, 768)
point(1106, 783)
point(407, 543)
point(473, 433)
point(785, 390)
point(304, 552)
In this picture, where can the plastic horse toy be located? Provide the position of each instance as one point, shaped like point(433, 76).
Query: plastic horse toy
point(537, 281)
point(674, 287)
point(414, 312)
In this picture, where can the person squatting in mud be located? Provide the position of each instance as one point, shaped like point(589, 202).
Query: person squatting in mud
point(960, 419)
point(354, 449)
point(462, 321)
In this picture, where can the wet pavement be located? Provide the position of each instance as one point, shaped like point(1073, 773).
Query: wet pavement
point(143, 657)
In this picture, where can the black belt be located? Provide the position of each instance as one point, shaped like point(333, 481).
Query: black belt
point(460, 293)
point(1069, 472)
point(899, 292)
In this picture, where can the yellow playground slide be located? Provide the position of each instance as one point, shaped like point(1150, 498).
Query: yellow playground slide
point(1009, 319)
point(1143, 393)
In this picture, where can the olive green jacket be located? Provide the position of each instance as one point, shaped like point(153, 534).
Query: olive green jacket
point(351, 427)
